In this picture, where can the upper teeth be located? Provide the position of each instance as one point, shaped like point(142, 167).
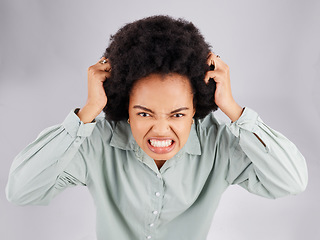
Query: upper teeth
point(163, 143)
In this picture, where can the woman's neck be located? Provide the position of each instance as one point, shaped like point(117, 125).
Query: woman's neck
point(160, 163)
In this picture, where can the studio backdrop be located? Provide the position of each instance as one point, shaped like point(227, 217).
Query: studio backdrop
point(272, 49)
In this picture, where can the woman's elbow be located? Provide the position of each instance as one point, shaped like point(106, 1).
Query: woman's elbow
point(19, 197)
point(13, 196)
point(300, 185)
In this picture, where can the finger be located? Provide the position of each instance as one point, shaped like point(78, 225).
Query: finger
point(103, 76)
point(107, 74)
point(209, 58)
point(104, 64)
point(96, 72)
point(108, 67)
point(209, 74)
point(102, 59)
point(212, 61)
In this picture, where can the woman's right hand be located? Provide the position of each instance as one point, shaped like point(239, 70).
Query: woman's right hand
point(97, 98)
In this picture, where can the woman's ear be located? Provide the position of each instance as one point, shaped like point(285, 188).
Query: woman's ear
point(194, 112)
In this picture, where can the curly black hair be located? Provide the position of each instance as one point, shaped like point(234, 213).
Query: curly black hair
point(157, 44)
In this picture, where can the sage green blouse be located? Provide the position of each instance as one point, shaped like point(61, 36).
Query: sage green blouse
point(137, 201)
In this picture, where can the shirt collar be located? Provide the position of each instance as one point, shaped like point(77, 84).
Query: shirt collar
point(122, 138)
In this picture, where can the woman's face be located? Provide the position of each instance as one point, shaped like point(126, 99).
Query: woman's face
point(160, 112)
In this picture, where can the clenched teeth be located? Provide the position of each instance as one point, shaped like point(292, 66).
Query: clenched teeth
point(162, 143)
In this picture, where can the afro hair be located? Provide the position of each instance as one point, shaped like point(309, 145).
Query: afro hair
point(157, 44)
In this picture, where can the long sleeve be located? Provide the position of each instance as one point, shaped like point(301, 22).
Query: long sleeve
point(37, 172)
point(265, 162)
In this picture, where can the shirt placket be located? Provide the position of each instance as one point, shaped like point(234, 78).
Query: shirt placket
point(156, 197)
point(156, 191)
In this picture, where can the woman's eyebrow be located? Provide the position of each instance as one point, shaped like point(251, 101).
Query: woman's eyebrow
point(149, 110)
point(179, 109)
point(143, 108)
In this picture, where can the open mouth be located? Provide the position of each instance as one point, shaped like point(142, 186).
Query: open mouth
point(161, 146)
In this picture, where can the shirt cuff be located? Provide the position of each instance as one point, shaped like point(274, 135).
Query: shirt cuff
point(75, 127)
point(247, 121)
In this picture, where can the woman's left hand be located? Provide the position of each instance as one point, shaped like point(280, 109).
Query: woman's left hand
point(223, 94)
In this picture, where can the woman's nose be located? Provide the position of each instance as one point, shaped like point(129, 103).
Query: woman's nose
point(161, 127)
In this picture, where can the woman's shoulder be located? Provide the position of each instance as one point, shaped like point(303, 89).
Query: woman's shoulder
point(107, 129)
point(212, 130)
point(104, 126)
point(211, 123)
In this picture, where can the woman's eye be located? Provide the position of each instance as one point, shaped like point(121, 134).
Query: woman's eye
point(143, 114)
point(178, 115)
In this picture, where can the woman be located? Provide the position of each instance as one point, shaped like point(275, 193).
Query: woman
point(159, 161)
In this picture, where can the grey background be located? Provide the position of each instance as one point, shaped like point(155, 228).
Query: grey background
point(272, 48)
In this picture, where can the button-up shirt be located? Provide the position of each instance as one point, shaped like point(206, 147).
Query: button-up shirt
point(134, 199)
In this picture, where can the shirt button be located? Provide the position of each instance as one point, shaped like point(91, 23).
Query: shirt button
point(159, 175)
point(155, 212)
point(149, 237)
point(158, 194)
point(151, 224)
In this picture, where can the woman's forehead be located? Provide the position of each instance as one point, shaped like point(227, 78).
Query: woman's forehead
point(158, 82)
point(167, 93)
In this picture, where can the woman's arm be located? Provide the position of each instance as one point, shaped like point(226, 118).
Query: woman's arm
point(265, 162)
point(37, 172)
